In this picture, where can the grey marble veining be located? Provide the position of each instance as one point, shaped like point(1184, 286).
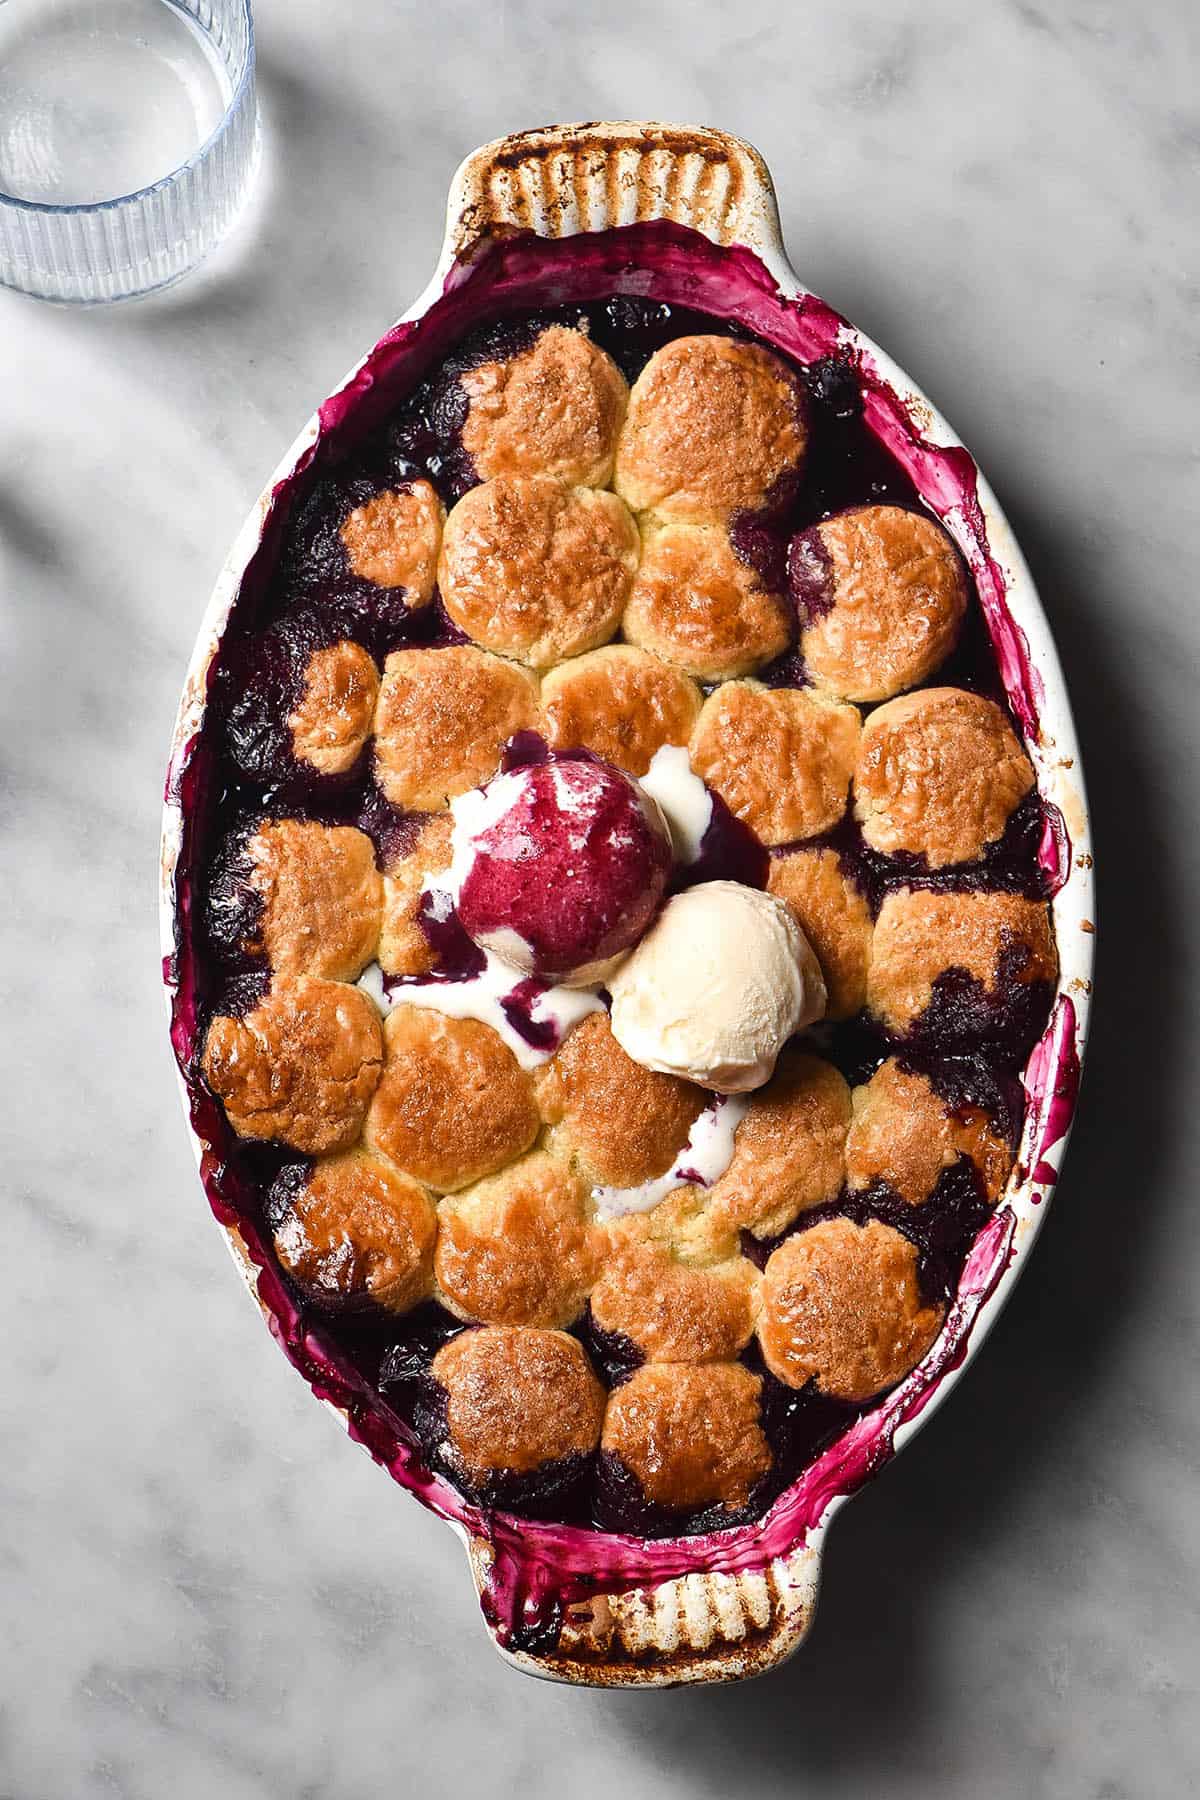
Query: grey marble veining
point(206, 1589)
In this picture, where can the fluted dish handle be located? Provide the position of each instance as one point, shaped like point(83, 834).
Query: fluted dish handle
point(698, 1626)
point(564, 179)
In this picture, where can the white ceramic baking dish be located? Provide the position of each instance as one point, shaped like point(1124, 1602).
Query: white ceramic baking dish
point(686, 215)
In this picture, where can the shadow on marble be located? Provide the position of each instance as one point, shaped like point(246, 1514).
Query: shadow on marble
point(870, 1676)
point(23, 532)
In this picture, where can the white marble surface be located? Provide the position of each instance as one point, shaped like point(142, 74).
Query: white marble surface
point(206, 1589)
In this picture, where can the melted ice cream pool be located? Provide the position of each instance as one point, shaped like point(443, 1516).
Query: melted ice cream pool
point(496, 995)
point(683, 800)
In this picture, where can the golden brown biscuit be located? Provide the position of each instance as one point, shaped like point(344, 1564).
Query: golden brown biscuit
point(625, 1124)
point(695, 603)
point(537, 570)
point(671, 1308)
point(691, 1434)
point(301, 1067)
point(356, 1229)
point(554, 409)
point(686, 1226)
point(333, 717)
point(453, 1104)
point(834, 917)
point(321, 897)
point(938, 774)
point(841, 1304)
point(904, 1133)
point(443, 719)
point(999, 939)
point(404, 949)
point(619, 703)
point(780, 758)
point(881, 593)
point(519, 1248)
point(517, 1399)
point(393, 540)
point(789, 1150)
point(712, 427)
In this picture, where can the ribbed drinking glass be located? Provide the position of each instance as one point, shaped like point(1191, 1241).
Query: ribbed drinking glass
point(128, 140)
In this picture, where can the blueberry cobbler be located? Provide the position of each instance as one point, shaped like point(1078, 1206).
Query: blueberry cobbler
point(620, 917)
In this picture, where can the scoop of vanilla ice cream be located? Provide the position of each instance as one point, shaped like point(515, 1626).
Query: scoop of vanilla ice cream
point(714, 990)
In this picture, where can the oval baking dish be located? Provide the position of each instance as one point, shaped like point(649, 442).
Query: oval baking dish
point(686, 216)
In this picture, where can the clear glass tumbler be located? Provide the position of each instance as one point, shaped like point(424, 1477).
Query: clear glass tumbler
point(128, 139)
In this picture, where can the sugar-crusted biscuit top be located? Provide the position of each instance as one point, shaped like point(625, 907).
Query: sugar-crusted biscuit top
point(404, 947)
point(690, 1433)
point(517, 1398)
point(671, 1308)
point(520, 1247)
point(842, 1306)
point(443, 719)
point(553, 409)
point(1000, 940)
point(624, 1124)
point(537, 570)
point(320, 894)
point(333, 717)
point(714, 427)
point(453, 1103)
point(392, 540)
point(939, 773)
point(880, 592)
point(353, 1229)
point(780, 758)
point(300, 1067)
point(835, 918)
point(905, 1134)
point(697, 604)
point(686, 1225)
point(619, 702)
point(789, 1150)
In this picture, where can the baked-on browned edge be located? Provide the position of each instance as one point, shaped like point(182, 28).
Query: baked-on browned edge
point(561, 179)
point(678, 1631)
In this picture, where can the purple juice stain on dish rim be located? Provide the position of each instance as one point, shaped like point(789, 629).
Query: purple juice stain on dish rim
point(537, 1570)
point(1051, 1082)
